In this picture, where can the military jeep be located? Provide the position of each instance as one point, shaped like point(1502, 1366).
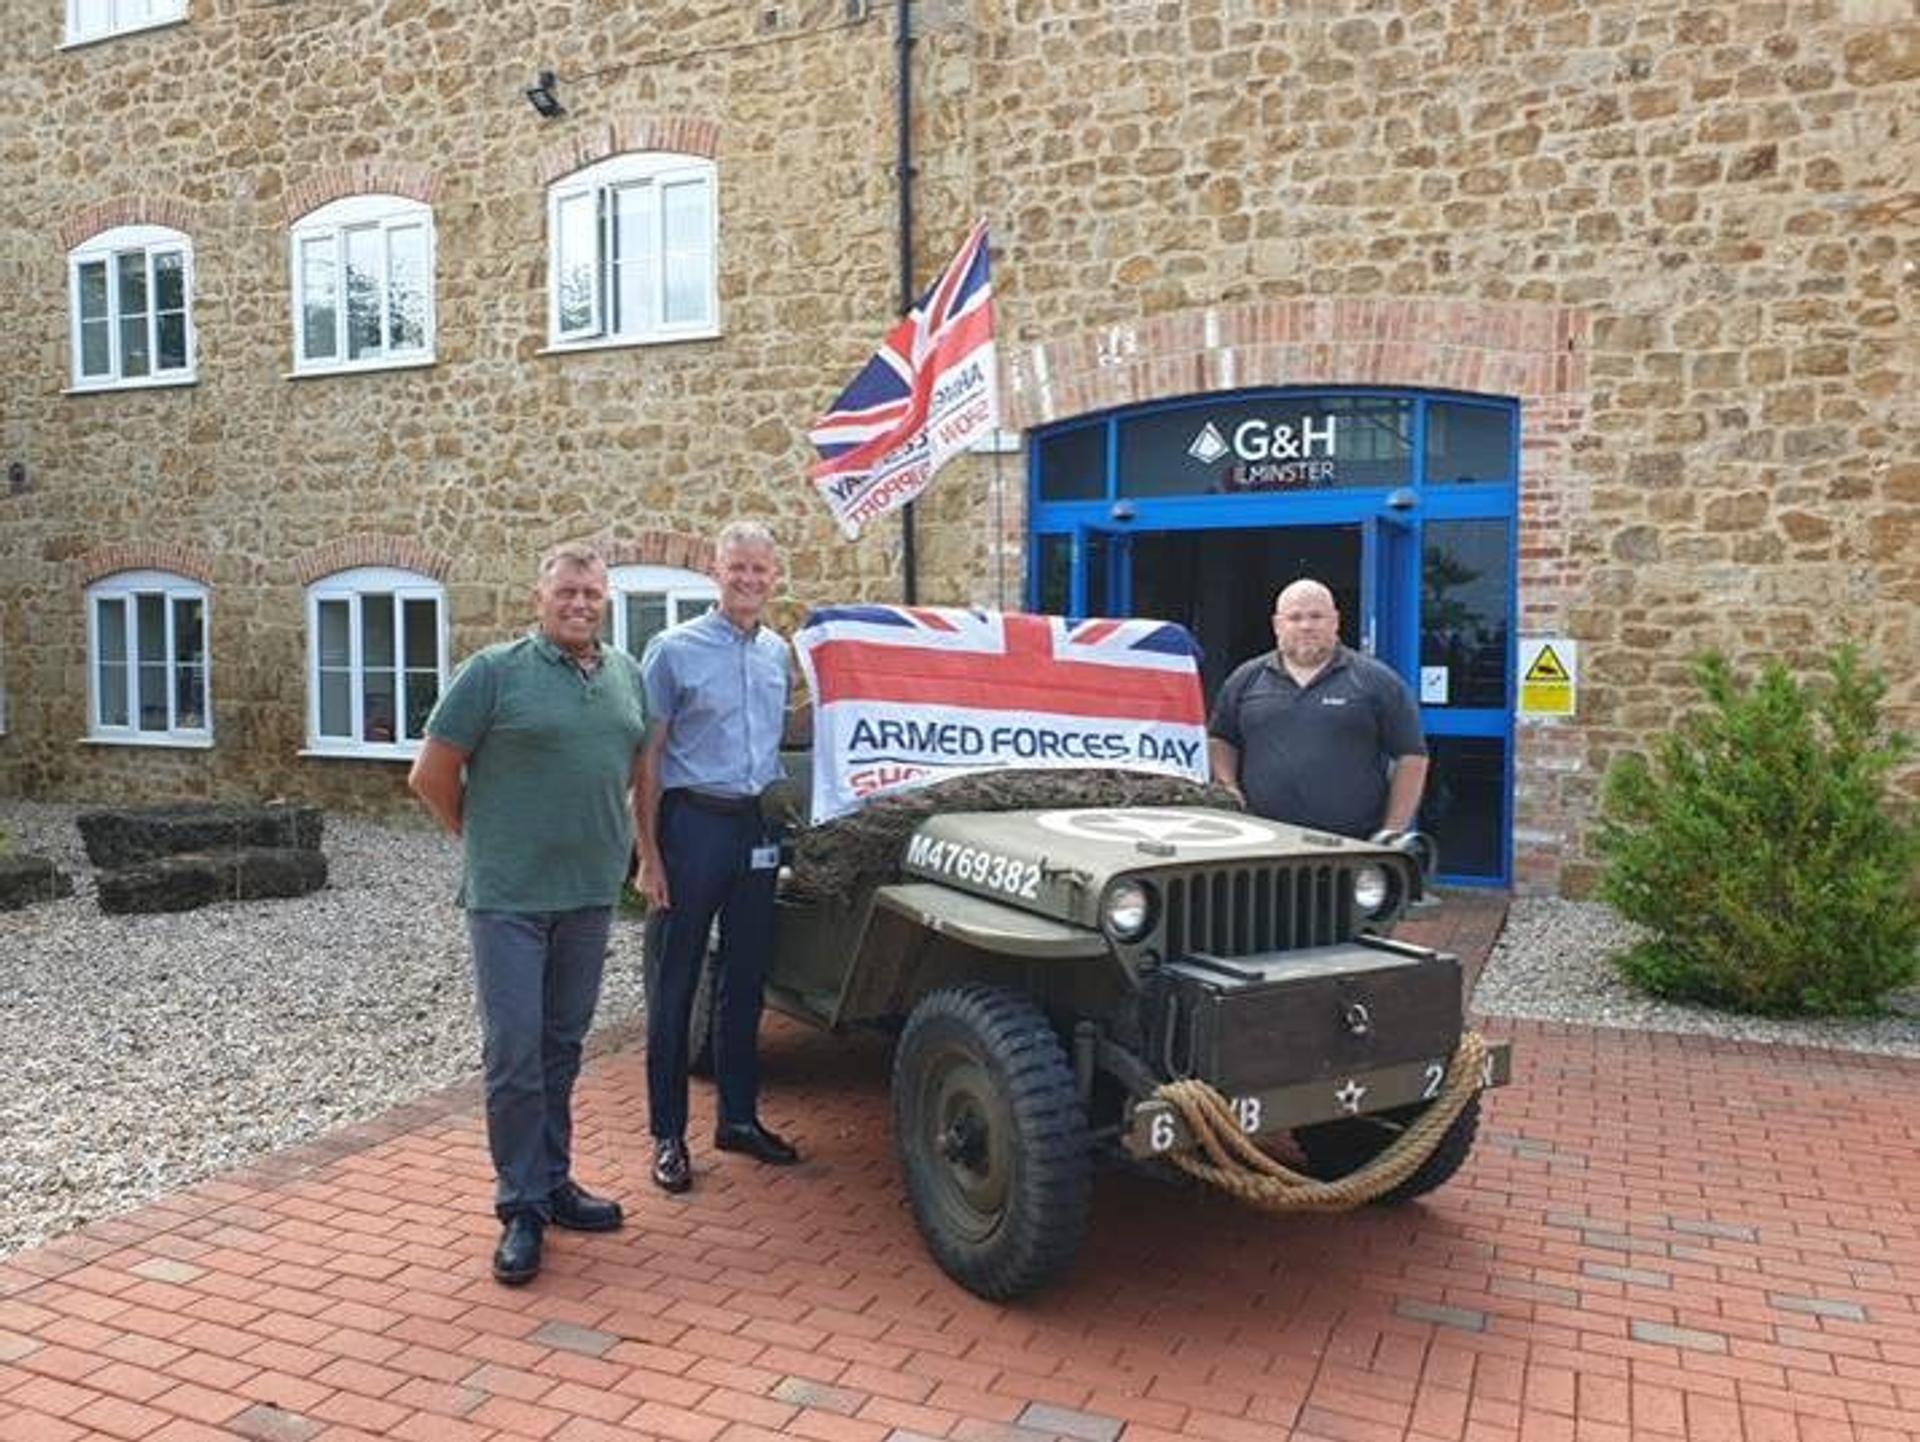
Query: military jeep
point(1048, 971)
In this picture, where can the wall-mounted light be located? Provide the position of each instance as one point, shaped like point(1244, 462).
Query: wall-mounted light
point(17, 482)
point(541, 97)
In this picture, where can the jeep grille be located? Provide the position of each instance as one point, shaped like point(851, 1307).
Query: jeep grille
point(1237, 911)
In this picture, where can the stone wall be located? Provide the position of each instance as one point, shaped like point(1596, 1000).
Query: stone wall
point(1686, 235)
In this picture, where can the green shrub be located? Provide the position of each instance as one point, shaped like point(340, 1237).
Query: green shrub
point(1763, 850)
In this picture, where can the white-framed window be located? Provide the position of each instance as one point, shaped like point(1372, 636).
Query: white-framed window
point(147, 655)
point(362, 284)
point(132, 290)
point(97, 19)
point(376, 661)
point(631, 251)
point(644, 600)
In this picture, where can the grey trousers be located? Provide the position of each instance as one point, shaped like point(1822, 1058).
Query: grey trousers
point(536, 976)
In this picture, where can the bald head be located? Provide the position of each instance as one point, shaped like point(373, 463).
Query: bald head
point(1305, 589)
point(1306, 625)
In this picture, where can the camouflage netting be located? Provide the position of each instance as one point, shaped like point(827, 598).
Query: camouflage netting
point(836, 856)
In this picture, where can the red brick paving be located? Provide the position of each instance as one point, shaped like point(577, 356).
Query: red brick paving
point(1659, 1237)
point(1463, 920)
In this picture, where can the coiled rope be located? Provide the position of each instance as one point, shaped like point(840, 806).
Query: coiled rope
point(1234, 1164)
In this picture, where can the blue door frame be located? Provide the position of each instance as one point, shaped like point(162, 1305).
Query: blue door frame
point(1102, 569)
point(1392, 521)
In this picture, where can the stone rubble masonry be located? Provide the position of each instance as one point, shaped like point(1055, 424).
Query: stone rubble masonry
point(1684, 236)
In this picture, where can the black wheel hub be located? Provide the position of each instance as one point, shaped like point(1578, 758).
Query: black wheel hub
point(969, 1135)
point(964, 1142)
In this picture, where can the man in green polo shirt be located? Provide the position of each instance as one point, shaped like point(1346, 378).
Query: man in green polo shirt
point(529, 759)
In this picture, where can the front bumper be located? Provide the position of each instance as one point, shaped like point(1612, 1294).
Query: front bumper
point(1154, 1127)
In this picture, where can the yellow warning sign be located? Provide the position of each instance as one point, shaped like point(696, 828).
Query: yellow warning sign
point(1548, 668)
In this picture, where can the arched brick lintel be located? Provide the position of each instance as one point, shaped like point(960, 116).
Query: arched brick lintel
point(1515, 349)
point(680, 549)
point(680, 134)
point(125, 210)
point(182, 560)
point(662, 548)
point(361, 177)
point(349, 552)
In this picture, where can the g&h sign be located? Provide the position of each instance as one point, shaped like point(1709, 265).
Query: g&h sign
point(1271, 455)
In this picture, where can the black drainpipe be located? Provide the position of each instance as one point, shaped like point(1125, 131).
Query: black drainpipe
point(903, 44)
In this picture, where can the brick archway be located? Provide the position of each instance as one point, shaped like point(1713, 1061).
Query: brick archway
point(1516, 349)
point(348, 552)
point(192, 562)
point(1534, 353)
point(361, 177)
point(125, 210)
point(679, 549)
point(680, 134)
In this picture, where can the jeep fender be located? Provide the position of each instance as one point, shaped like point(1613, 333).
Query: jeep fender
point(911, 923)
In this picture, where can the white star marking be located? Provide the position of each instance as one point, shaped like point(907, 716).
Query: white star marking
point(1349, 1097)
point(1158, 824)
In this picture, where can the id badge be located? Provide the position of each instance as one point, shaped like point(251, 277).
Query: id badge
point(763, 858)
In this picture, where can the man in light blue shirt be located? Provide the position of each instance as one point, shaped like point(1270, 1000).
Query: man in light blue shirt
point(716, 696)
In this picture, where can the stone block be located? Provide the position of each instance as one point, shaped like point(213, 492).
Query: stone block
point(122, 836)
point(194, 879)
point(27, 879)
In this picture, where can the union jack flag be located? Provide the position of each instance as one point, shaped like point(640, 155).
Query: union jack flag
point(907, 695)
point(928, 393)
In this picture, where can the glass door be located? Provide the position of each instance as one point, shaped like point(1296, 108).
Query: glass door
point(1102, 571)
point(1465, 656)
point(1389, 617)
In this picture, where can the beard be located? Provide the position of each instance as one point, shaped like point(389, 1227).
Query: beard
point(1308, 653)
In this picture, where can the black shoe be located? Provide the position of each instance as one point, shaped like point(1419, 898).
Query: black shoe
point(517, 1258)
point(580, 1211)
point(756, 1141)
point(672, 1168)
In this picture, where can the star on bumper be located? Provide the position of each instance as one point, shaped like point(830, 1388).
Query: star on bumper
point(1349, 1097)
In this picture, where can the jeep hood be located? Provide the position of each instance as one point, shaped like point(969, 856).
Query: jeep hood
point(1025, 856)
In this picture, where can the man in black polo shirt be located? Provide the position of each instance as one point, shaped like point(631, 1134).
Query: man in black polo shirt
point(1315, 733)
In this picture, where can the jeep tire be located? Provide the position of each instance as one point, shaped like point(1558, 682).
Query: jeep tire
point(992, 1139)
point(1338, 1149)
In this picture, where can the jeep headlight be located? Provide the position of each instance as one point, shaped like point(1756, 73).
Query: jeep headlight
point(1372, 891)
point(1126, 912)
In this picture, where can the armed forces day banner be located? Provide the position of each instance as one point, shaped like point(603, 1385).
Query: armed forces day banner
point(907, 695)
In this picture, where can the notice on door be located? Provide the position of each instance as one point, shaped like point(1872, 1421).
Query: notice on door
point(1549, 675)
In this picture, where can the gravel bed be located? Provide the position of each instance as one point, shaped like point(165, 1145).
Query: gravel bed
point(1551, 963)
point(144, 1053)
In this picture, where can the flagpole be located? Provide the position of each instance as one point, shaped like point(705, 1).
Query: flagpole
point(903, 41)
point(999, 529)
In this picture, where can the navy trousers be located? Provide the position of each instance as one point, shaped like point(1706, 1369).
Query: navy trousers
point(710, 875)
